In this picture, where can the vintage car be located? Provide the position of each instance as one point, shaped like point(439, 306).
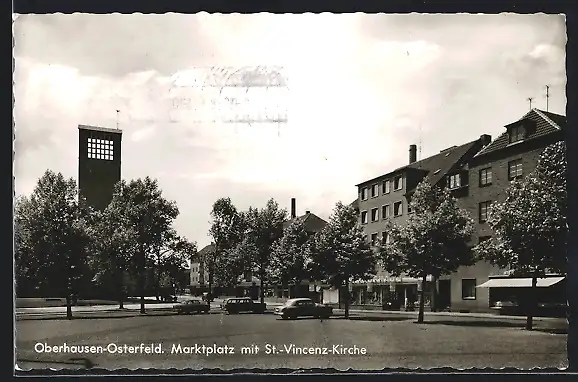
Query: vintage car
point(243, 305)
point(192, 306)
point(303, 307)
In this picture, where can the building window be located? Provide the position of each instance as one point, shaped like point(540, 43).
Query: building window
point(102, 149)
point(398, 208)
point(515, 169)
point(485, 177)
point(386, 187)
point(517, 133)
point(374, 214)
point(385, 211)
point(398, 183)
point(384, 238)
point(373, 238)
point(468, 289)
point(483, 211)
point(374, 190)
point(454, 181)
point(363, 217)
point(364, 193)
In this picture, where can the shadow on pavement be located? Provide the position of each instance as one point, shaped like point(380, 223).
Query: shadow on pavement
point(379, 318)
point(98, 316)
point(493, 324)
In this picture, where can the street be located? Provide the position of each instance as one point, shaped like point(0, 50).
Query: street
point(367, 342)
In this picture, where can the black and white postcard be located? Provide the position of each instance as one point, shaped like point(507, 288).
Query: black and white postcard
point(296, 191)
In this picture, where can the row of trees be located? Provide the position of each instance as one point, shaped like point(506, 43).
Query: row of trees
point(282, 252)
point(529, 226)
point(63, 247)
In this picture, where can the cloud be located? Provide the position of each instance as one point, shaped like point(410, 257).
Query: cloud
point(361, 89)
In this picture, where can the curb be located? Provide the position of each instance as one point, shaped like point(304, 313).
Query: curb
point(104, 314)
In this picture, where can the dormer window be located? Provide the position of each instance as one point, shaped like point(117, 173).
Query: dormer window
point(454, 181)
point(517, 133)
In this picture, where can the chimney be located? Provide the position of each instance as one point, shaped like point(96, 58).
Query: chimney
point(412, 153)
point(293, 210)
point(485, 139)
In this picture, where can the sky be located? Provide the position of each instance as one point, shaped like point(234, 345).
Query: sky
point(354, 91)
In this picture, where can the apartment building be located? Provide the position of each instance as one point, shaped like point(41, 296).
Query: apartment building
point(386, 198)
point(512, 155)
point(199, 274)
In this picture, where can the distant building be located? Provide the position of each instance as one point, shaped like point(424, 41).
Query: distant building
point(513, 155)
point(387, 197)
point(99, 164)
point(199, 274)
point(312, 224)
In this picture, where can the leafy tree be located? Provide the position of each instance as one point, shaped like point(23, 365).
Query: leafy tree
point(226, 231)
point(290, 257)
point(434, 241)
point(530, 229)
point(149, 215)
point(168, 258)
point(114, 246)
point(265, 228)
point(51, 238)
point(231, 268)
point(341, 252)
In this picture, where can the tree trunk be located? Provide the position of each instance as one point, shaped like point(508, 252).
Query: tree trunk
point(421, 300)
point(434, 293)
point(261, 279)
point(141, 280)
point(347, 297)
point(69, 290)
point(157, 280)
point(261, 288)
point(531, 303)
point(120, 286)
point(68, 307)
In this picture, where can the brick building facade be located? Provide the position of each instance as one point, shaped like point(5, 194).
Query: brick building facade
point(513, 155)
point(477, 174)
point(386, 198)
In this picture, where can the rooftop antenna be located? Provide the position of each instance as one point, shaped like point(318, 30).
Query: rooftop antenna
point(547, 96)
point(530, 100)
point(117, 118)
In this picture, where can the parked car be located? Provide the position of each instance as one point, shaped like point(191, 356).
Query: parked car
point(243, 305)
point(224, 303)
point(303, 307)
point(168, 298)
point(192, 306)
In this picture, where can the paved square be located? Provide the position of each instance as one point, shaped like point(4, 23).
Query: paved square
point(389, 342)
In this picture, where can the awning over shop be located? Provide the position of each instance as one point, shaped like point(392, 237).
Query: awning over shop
point(511, 282)
point(390, 280)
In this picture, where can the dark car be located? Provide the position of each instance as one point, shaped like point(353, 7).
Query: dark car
point(243, 305)
point(303, 307)
point(192, 306)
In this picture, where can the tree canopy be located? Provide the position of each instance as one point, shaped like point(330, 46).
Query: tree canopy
point(434, 241)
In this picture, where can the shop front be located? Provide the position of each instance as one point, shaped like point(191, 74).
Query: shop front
point(514, 295)
point(389, 293)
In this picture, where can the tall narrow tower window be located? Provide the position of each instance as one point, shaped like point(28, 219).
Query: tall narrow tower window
point(101, 149)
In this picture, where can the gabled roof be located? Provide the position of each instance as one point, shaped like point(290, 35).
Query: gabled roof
point(312, 222)
point(546, 123)
point(355, 203)
point(206, 250)
point(436, 166)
